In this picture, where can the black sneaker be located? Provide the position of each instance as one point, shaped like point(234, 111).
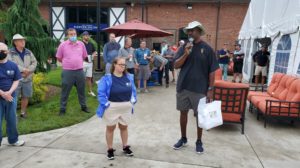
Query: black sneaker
point(110, 154)
point(181, 143)
point(199, 147)
point(127, 151)
point(85, 109)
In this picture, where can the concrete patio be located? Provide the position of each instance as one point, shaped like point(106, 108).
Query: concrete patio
point(153, 131)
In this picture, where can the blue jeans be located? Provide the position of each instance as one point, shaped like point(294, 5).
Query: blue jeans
point(224, 68)
point(8, 111)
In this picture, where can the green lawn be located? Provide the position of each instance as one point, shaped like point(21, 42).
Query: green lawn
point(44, 116)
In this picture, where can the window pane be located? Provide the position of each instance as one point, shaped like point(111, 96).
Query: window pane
point(92, 18)
point(72, 15)
point(104, 15)
point(283, 54)
point(83, 15)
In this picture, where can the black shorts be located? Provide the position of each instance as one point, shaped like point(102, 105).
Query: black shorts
point(238, 67)
point(170, 65)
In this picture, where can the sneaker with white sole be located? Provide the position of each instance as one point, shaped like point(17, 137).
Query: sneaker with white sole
point(146, 90)
point(127, 151)
point(92, 94)
point(110, 154)
point(199, 147)
point(18, 143)
point(138, 90)
point(181, 143)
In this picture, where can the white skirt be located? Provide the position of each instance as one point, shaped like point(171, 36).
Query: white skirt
point(118, 112)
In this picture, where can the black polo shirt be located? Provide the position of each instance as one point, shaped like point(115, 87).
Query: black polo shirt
point(194, 74)
point(262, 58)
point(89, 48)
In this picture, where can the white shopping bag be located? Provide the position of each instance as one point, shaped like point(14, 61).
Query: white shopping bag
point(209, 114)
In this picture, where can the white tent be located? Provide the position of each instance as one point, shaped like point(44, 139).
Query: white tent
point(278, 20)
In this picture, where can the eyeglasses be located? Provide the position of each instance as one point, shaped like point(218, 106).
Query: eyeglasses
point(122, 65)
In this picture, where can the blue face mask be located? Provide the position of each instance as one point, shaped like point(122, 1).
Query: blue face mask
point(73, 38)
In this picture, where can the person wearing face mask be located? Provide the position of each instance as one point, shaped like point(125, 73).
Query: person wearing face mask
point(9, 80)
point(110, 52)
point(196, 79)
point(71, 54)
point(27, 63)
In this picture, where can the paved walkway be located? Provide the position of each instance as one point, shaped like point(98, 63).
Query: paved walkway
point(152, 133)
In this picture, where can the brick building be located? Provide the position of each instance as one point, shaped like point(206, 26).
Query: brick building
point(221, 18)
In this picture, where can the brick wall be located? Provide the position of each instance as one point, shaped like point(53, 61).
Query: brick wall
point(172, 17)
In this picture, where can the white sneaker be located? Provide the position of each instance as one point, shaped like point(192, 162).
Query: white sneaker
point(18, 143)
point(146, 91)
point(92, 94)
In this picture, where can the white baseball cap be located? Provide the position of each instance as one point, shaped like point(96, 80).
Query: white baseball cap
point(193, 25)
point(3, 47)
point(18, 37)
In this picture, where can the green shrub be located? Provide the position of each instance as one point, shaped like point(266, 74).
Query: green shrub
point(39, 88)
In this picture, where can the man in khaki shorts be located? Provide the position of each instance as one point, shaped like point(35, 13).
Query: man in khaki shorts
point(261, 58)
point(27, 63)
point(88, 62)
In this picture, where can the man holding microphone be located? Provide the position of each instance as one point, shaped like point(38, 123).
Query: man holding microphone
point(198, 64)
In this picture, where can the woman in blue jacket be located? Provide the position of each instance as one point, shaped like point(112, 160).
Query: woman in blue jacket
point(116, 96)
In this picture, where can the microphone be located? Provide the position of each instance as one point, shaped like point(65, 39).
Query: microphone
point(191, 40)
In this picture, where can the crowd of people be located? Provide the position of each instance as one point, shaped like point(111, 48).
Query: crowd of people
point(260, 58)
point(124, 67)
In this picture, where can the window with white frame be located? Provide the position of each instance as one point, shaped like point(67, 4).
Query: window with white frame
point(283, 54)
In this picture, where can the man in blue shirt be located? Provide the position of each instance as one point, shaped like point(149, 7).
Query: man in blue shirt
point(143, 56)
point(110, 51)
point(9, 80)
point(224, 60)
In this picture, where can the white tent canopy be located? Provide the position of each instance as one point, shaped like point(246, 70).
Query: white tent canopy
point(267, 18)
point(278, 20)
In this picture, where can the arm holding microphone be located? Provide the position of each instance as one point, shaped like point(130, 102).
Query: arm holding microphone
point(180, 61)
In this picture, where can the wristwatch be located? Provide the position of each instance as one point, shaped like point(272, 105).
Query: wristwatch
point(210, 88)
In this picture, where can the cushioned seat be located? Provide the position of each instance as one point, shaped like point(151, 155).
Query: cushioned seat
point(255, 100)
point(255, 93)
point(231, 117)
point(233, 97)
point(273, 85)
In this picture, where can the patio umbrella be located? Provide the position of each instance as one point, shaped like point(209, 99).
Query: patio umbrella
point(137, 29)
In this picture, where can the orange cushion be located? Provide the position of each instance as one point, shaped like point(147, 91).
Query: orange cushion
point(282, 89)
point(294, 91)
point(275, 109)
point(218, 74)
point(255, 100)
point(275, 82)
point(255, 93)
point(231, 117)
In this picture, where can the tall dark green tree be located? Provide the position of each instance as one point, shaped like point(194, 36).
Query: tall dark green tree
point(23, 17)
point(2, 11)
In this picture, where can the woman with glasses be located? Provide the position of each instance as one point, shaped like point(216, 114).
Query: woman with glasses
point(116, 96)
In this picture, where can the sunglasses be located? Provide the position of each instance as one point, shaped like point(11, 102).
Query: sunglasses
point(122, 65)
